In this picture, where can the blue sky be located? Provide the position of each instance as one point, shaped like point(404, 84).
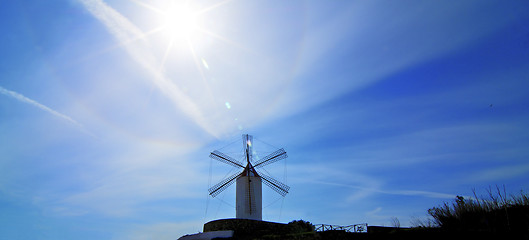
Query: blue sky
point(109, 109)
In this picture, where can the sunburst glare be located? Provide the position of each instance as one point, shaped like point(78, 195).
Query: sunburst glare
point(180, 20)
point(179, 24)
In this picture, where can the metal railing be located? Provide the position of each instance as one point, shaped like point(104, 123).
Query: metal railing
point(356, 228)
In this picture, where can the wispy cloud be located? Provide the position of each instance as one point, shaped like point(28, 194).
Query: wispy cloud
point(364, 185)
point(418, 193)
point(411, 42)
point(391, 192)
point(134, 43)
point(162, 230)
point(134, 176)
point(27, 100)
point(501, 173)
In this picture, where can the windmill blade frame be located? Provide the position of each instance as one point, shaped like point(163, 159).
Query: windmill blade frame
point(274, 184)
point(247, 142)
point(222, 185)
point(279, 154)
point(221, 157)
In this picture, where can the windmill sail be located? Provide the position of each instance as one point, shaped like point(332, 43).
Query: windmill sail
point(274, 184)
point(222, 185)
point(248, 142)
point(271, 158)
point(221, 157)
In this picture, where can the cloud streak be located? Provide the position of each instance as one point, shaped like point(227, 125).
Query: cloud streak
point(135, 45)
point(500, 173)
point(27, 100)
point(410, 42)
point(390, 192)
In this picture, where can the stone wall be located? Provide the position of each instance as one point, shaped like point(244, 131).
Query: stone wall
point(247, 228)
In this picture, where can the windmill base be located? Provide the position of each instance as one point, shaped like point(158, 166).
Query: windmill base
point(246, 227)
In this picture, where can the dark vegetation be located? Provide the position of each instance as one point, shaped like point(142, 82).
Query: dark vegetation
point(496, 216)
point(300, 226)
point(496, 213)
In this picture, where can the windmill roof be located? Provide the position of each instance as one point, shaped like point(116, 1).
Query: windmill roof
point(249, 170)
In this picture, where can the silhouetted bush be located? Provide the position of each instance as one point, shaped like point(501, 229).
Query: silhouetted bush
point(497, 213)
point(300, 226)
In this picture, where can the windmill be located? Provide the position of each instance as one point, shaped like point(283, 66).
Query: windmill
point(249, 182)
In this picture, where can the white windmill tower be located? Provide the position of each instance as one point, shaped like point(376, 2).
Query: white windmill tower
point(249, 196)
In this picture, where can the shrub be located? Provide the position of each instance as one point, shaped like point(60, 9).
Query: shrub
point(497, 213)
point(300, 226)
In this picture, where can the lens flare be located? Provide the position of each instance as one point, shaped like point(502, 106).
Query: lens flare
point(205, 64)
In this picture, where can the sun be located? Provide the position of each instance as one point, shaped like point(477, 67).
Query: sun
point(180, 26)
point(180, 20)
